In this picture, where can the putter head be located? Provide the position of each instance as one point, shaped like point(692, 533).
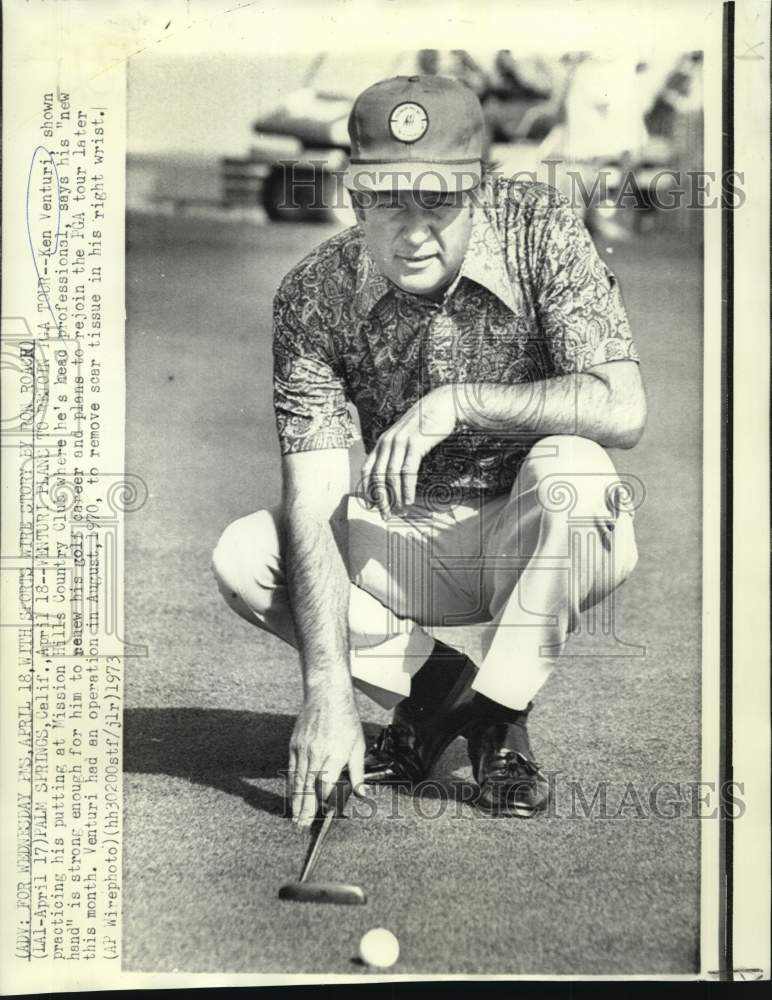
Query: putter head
point(323, 892)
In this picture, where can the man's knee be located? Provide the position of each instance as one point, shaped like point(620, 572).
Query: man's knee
point(570, 474)
point(569, 454)
point(245, 554)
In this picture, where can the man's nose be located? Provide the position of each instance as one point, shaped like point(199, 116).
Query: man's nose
point(416, 230)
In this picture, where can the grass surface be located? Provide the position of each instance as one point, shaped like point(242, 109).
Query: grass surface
point(210, 709)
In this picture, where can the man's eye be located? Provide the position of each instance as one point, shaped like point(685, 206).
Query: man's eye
point(388, 204)
point(438, 200)
point(433, 199)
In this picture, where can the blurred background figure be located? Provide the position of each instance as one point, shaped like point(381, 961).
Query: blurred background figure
point(525, 97)
point(676, 115)
point(605, 104)
point(616, 133)
point(457, 63)
point(597, 126)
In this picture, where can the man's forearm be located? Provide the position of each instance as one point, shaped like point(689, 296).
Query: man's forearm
point(319, 597)
point(327, 736)
point(581, 404)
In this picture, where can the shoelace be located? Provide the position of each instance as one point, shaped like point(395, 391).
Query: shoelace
point(512, 764)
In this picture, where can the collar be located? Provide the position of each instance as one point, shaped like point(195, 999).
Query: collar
point(484, 263)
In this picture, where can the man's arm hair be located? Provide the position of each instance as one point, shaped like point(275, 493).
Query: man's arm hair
point(315, 485)
point(606, 403)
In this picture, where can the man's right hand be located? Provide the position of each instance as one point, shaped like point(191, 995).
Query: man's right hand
point(327, 737)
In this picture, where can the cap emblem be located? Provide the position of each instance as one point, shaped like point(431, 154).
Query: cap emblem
point(408, 122)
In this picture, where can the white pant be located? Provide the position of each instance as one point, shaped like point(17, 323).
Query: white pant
point(503, 579)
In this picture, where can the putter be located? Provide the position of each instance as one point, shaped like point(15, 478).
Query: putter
point(304, 891)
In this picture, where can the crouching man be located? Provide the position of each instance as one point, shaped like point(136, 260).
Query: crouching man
point(484, 344)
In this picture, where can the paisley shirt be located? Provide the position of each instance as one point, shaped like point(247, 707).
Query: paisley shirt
point(532, 300)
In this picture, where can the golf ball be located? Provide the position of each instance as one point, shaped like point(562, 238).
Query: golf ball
point(379, 948)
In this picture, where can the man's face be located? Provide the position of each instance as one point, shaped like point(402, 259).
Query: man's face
point(417, 240)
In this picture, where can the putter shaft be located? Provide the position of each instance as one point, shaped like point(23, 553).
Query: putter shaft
point(316, 849)
point(334, 806)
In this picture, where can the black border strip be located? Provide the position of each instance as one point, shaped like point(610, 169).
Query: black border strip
point(726, 832)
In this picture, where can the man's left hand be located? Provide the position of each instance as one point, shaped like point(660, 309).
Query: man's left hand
point(390, 471)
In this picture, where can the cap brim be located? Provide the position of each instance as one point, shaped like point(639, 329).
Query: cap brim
point(413, 176)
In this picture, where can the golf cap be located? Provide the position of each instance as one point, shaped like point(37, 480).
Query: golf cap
point(417, 133)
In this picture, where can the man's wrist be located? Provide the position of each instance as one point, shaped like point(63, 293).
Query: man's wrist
point(464, 402)
point(451, 398)
point(334, 679)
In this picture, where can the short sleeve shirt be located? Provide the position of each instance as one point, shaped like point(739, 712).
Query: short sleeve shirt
point(533, 300)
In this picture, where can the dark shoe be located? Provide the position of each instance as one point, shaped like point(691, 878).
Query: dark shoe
point(426, 723)
point(510, 782)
